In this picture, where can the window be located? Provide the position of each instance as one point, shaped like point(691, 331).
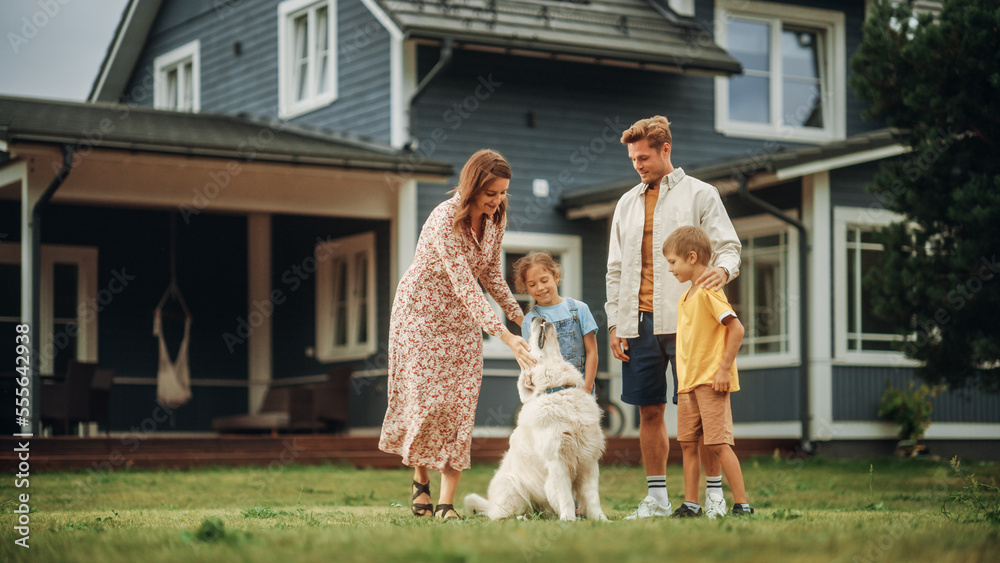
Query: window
point(793, 84)
point(345, 298)
point(177, 79)
point(564, 248)
point(69, 303)
point(765, 296)
point(307, 69)
point(859, 333)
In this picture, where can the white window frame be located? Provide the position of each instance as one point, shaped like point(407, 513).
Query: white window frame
point(326, 322)
point(568, 247)
point(85, 259)
point(844, 218)
point(287, 12)
point(189, 53)
point(764, 225)
point(831, 25)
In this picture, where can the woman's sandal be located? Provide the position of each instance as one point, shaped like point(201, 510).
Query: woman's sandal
point(420, 509)
point(442, 511)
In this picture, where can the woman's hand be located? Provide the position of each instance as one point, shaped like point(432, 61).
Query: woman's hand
point(522, 353)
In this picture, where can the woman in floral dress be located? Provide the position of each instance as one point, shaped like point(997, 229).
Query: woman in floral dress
point(435, 334)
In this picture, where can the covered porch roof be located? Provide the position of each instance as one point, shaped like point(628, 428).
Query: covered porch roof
point(127, 155)
point(760, 169)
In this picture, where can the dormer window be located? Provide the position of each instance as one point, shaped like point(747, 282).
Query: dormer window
point(177, 83)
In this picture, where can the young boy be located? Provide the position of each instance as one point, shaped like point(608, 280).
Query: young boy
point(708, 339)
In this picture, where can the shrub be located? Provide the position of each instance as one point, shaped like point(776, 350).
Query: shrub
point(910, 409)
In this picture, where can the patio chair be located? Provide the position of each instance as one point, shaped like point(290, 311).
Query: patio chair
point(82, 396)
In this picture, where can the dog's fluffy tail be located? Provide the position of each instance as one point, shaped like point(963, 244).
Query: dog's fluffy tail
point(476, 503)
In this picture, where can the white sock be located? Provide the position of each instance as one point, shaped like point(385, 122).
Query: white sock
point(658, 489)
point(713, 485)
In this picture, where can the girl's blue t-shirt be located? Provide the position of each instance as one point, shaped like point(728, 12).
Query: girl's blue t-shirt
point(560, 312)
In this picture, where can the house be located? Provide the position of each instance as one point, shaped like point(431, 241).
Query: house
point(757, 92)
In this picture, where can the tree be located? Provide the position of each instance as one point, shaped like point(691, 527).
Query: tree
point(938, 82)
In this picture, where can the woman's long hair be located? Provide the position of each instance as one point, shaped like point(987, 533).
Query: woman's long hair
point(483, 167)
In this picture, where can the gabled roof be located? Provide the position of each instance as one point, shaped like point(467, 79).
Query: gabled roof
point(778, 166)
point(124, 51)
point(116, 126)
point(645, 33)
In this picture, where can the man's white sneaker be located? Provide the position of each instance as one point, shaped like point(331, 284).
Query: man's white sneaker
point(715, 505)
point(649, 508)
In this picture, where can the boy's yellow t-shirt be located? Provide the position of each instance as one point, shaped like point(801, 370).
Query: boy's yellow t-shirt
point(701, 339)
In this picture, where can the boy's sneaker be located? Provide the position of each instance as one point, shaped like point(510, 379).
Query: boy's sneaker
point(738, 510)
point(715, 505)
point(649, 508)
point(686, 512)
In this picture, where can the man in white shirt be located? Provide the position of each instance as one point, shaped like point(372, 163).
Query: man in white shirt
point(643, 296)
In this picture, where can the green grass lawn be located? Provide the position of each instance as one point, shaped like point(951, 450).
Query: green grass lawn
point(818, 510)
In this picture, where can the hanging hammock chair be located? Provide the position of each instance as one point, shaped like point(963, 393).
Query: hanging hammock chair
point(173, 377)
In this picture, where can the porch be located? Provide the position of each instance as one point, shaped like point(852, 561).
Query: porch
point(285, 243)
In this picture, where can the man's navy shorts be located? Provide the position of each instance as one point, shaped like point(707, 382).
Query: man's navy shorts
point(644, 376)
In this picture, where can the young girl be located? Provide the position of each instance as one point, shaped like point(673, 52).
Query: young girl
point(538, 275)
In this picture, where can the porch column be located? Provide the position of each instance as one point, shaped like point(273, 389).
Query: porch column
point(817, 210)
point(259, 300)
point(406, 230)
point(31, 312)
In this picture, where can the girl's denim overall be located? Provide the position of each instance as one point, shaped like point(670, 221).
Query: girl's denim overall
point(570, 334)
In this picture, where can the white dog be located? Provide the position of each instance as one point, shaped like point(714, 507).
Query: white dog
point(556, 443)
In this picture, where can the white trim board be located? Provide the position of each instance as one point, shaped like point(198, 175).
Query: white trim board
point(843, 161)
point(937, 431)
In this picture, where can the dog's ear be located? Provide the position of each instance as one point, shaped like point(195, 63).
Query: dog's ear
point(525, 384)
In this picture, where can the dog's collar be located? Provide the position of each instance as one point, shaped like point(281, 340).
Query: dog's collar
point(554, 389)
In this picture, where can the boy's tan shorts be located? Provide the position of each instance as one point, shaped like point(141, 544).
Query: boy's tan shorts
point(704, 410)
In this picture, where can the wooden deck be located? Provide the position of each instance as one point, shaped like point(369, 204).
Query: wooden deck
point(104, 454)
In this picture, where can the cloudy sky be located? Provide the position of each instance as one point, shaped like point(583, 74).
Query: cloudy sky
point(54, 48)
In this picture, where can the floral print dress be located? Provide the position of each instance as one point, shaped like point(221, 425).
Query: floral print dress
point(436, 341)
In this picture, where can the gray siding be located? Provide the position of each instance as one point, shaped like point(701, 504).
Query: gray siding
point(248, 82)
point(849, 186)
point(858, 390)
point(767, 395)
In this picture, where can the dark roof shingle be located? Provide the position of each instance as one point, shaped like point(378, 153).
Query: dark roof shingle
point(117, 126)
